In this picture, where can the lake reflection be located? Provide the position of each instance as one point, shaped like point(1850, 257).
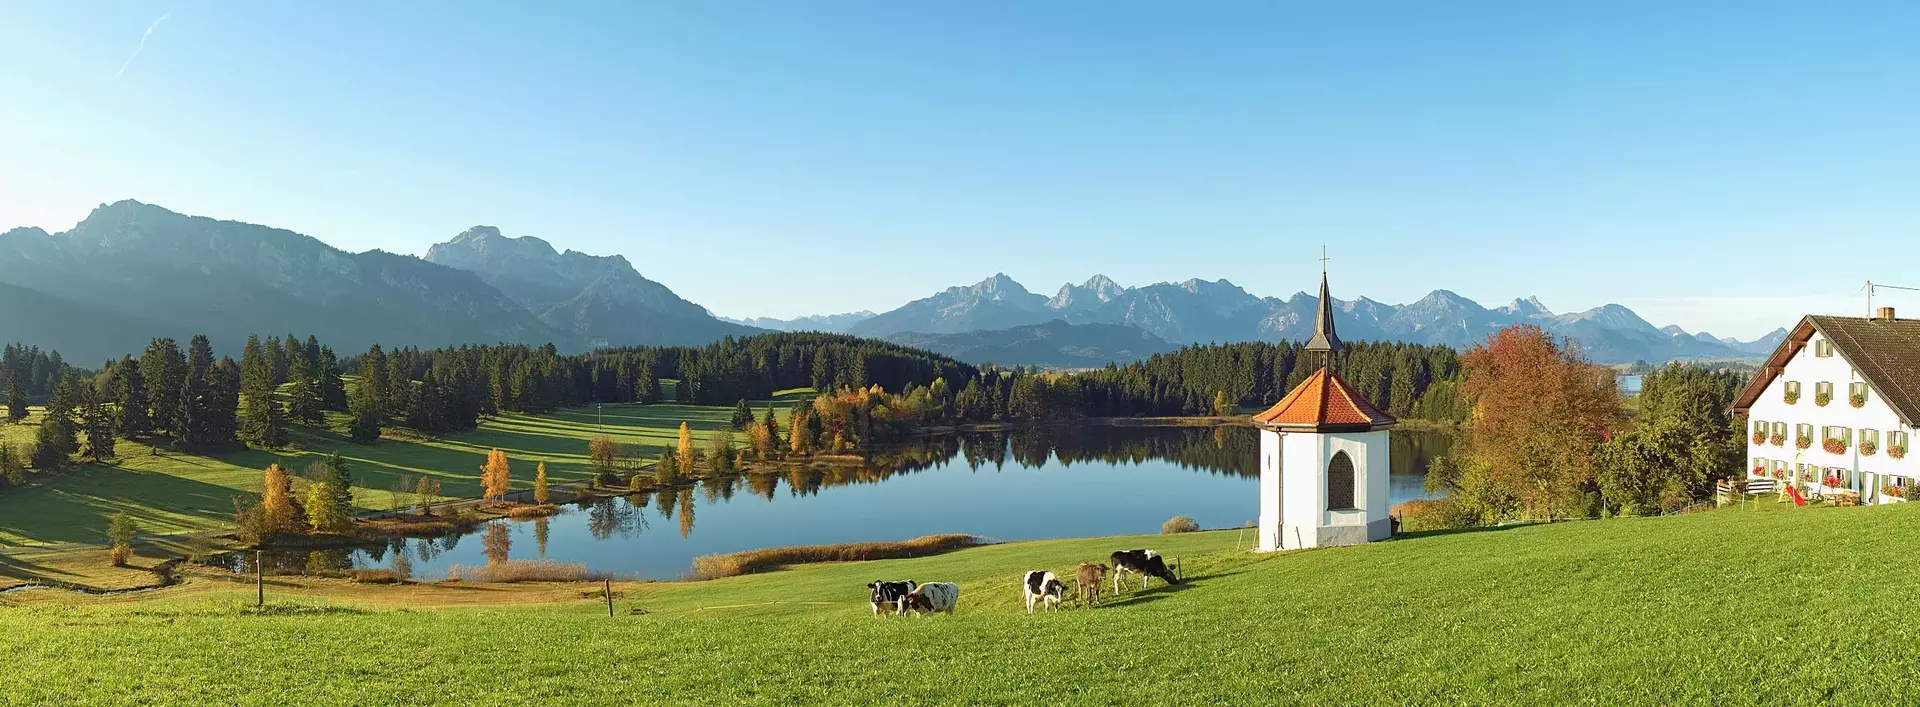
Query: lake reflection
point(1021, 485)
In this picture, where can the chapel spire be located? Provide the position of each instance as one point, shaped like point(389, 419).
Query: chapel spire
point(1324, 341)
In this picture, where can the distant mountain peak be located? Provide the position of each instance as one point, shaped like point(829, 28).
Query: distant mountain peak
point(1529, 307)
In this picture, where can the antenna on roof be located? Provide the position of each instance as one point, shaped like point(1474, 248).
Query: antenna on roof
point(1871, 287)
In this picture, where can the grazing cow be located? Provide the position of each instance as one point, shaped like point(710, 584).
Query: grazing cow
point(1042, 586)
point(889, 594)
point(932, 598)
point(1145, 563)
point(1090, 575)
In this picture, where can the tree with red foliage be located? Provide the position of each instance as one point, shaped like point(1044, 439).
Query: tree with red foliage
point(1540, 412)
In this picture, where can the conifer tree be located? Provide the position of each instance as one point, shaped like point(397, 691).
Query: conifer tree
point(366, 413)
point(495, 476)
point(165, 369)
point(742, 414)
point(373, 371)
point(264, 425)
point(16, 397)
point(303, 392)
point(97, 422)
point(130, 393)
point(540, 483)
point(399, 388)
point(295, 357)
point(339, 485)
point(54, 443)
point(683, 452)
point(274, 359)
point(333, 390)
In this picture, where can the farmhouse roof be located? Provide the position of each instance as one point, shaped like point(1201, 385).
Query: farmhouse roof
point(1325, 402)
point(1886, 353)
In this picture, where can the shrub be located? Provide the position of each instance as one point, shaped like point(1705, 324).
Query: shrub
point(535, 511)
point(1436, 514)
point(527, 571)
point(375, 576)
point(1178, 524)
point(120, 532)
point(750, 561)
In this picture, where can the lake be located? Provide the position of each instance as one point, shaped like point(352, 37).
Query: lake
point(1023, 485)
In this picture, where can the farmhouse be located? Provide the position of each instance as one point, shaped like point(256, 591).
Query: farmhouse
point(1834, 409)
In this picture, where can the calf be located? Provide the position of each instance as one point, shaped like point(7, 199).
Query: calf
point(1042, 586)
point(932, 598)
point(1088, 579)
point(889, 594)
point(1145, 563)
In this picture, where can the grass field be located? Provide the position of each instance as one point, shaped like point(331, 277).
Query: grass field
point(176, 493)
point(1739, 606)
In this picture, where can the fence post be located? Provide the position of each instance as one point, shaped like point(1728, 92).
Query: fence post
point(259, 579)
point(607, 589)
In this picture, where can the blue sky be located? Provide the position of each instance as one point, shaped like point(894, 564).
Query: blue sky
point(1719, 165)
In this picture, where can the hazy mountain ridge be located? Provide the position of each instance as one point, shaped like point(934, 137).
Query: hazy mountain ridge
point(1199, 311)
point(1051, 344)
point(592, 297)
point(161, 273)
point(828, 323)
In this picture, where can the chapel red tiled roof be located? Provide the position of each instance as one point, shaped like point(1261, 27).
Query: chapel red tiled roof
point(1324, 401)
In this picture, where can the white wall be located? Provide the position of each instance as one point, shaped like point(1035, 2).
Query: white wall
point(1809, 369)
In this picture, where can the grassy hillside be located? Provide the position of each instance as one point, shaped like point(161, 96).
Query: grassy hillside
point(173, 492)
point(1773, 605)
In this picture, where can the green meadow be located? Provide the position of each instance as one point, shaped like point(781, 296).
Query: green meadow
point(169, 492)
point(1768, 605)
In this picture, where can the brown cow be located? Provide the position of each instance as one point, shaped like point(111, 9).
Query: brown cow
point(1089, 578)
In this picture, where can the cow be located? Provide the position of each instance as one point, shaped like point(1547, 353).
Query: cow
point(1088, 579)
point(931, 598)
point(1145, 563)
point(889, 594)
point(1042, 586)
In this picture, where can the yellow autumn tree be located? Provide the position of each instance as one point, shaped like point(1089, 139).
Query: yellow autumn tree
point(683, 453)
point(797, 441)
point(495, 476)
point(324, 512)
point(540, 483)
point(276, 500)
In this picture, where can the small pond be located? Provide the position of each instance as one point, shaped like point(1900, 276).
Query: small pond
point(1021, 485)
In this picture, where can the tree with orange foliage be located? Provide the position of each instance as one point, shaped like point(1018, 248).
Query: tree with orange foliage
point(1539, 415)
point(540, 483)
point(495, 476)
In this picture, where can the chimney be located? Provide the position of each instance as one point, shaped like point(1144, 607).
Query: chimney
point(1885, 314)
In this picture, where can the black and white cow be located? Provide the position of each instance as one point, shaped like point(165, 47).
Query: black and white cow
point(889, 594)
point(932, 598)
point(1145, 563)
point(1042, 586)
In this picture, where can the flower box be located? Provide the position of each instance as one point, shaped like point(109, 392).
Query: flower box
point(1802, 442)
point(1779, 473)
point(1834, 446)
point(1759, 438)
point(1897, 452)
point(1779, 440)
point(1821, 399)
point(1832, 482)
point(1792, 397)
point(1894, 490)
point(1858, 400)
point(1867, 448)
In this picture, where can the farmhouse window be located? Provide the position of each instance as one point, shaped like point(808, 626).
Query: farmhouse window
point(1823, 348)
point(1844, 434)
point(1803, 430)
point(1780, 429)
point(1340, 482)
point(1823, 389)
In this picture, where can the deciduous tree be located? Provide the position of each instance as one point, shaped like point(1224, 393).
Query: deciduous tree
point(121, 531)
point(496, 476)
point(683, 452)
point(540, 483)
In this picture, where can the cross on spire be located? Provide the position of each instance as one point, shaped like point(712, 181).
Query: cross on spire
point(1323, 262)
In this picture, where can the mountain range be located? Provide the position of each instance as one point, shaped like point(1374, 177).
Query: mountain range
point(1199, 311)
point(131, 271)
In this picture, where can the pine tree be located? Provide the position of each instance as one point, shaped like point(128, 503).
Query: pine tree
point(333, 390)
point(54, 443)
point(496, 475)
point(366, 413)
point(303, 392)
point(339, 486)
point(742, 414)
point(165, 369)
point(540, 483)
point(399, 388)
point(130, 393)
point(97, 422)
point(295, 357)
point(274, 359)
point(373, 373)
point(647, 389)
point(16, 398)
point(264, 425)
point(772, 425)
